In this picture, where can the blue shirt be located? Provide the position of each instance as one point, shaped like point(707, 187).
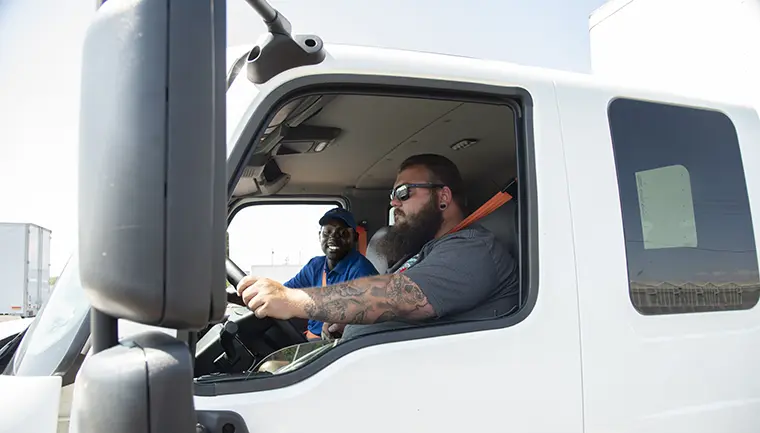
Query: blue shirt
point(351, 267)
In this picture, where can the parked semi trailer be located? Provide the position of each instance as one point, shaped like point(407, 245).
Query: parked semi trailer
point(24, 268)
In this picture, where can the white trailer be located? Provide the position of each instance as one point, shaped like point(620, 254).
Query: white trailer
point(706, 48)
point(24, 268)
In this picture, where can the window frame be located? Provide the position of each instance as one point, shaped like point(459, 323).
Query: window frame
point(518, 99)
point(247, 202)
point(735, 140)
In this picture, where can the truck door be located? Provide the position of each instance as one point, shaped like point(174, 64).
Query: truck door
point(517, 373)
point(667, 260)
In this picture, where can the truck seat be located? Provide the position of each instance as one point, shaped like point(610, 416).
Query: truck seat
point(503, 224)
point(378, 260)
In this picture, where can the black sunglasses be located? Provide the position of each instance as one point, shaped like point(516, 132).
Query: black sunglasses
point(402, 191)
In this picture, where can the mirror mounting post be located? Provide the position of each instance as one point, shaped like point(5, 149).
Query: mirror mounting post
point(105, 331)
point(279, 51)
point(275, 21)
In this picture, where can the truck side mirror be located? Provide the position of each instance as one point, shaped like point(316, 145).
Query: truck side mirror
point(154, 379)
point(152, 164)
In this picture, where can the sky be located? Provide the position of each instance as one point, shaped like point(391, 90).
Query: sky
point(40, 53)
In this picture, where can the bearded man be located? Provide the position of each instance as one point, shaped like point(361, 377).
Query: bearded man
point(443, 276)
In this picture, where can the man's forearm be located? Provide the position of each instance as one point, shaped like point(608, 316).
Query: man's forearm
point(368, 300)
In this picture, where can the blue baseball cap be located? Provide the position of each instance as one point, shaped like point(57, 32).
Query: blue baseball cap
point(339, 214)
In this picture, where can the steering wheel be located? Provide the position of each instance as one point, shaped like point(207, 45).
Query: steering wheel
point(236, 274)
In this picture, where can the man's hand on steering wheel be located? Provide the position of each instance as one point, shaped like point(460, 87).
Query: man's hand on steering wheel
point(268, 298)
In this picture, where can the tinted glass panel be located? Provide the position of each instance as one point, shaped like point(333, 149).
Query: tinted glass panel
point(688, 230)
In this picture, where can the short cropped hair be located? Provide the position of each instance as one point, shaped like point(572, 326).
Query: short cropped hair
point(441, 170)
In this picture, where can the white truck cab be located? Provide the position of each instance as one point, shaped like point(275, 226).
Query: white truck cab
point(705, 48)
point(633, 222)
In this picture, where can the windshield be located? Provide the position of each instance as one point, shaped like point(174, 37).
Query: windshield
point(46, 347)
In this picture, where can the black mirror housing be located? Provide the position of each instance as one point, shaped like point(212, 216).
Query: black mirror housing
point(152, 162)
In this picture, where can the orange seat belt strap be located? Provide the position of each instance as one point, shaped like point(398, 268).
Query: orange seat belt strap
point(361, 243)
point(491, 205)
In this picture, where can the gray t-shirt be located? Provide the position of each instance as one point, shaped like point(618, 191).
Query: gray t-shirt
point(465, 275)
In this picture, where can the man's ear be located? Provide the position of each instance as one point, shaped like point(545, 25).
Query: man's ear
point(445, 196)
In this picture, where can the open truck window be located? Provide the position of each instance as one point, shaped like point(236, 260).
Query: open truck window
point(689, 239)
point(275, 240)
point(349, 145)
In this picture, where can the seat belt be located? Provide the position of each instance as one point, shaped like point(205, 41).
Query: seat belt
point(310, 335)
point(487, 208)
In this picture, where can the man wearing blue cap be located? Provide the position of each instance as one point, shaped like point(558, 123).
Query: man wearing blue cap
point(341, 262)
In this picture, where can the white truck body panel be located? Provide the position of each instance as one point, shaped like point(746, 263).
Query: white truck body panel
point(645, 373)
point(707, 48)
point(24, 268)
point(30, 404)
point(14, 326)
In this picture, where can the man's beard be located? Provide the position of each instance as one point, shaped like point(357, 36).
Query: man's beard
point(405, 239)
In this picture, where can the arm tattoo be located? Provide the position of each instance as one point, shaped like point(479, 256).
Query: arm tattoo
point(367, 300)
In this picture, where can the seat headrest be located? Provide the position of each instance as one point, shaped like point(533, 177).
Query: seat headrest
point(503, 224)
point(378, 260)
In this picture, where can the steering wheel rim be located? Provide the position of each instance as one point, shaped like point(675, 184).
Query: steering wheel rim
point(235, 274)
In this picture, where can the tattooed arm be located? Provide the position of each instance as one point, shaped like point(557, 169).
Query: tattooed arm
point(368, 300)
point(458, 275)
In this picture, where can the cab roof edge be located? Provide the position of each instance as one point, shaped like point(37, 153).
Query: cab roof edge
point(280, 51)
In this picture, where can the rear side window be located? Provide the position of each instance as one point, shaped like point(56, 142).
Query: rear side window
point(689, 239)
